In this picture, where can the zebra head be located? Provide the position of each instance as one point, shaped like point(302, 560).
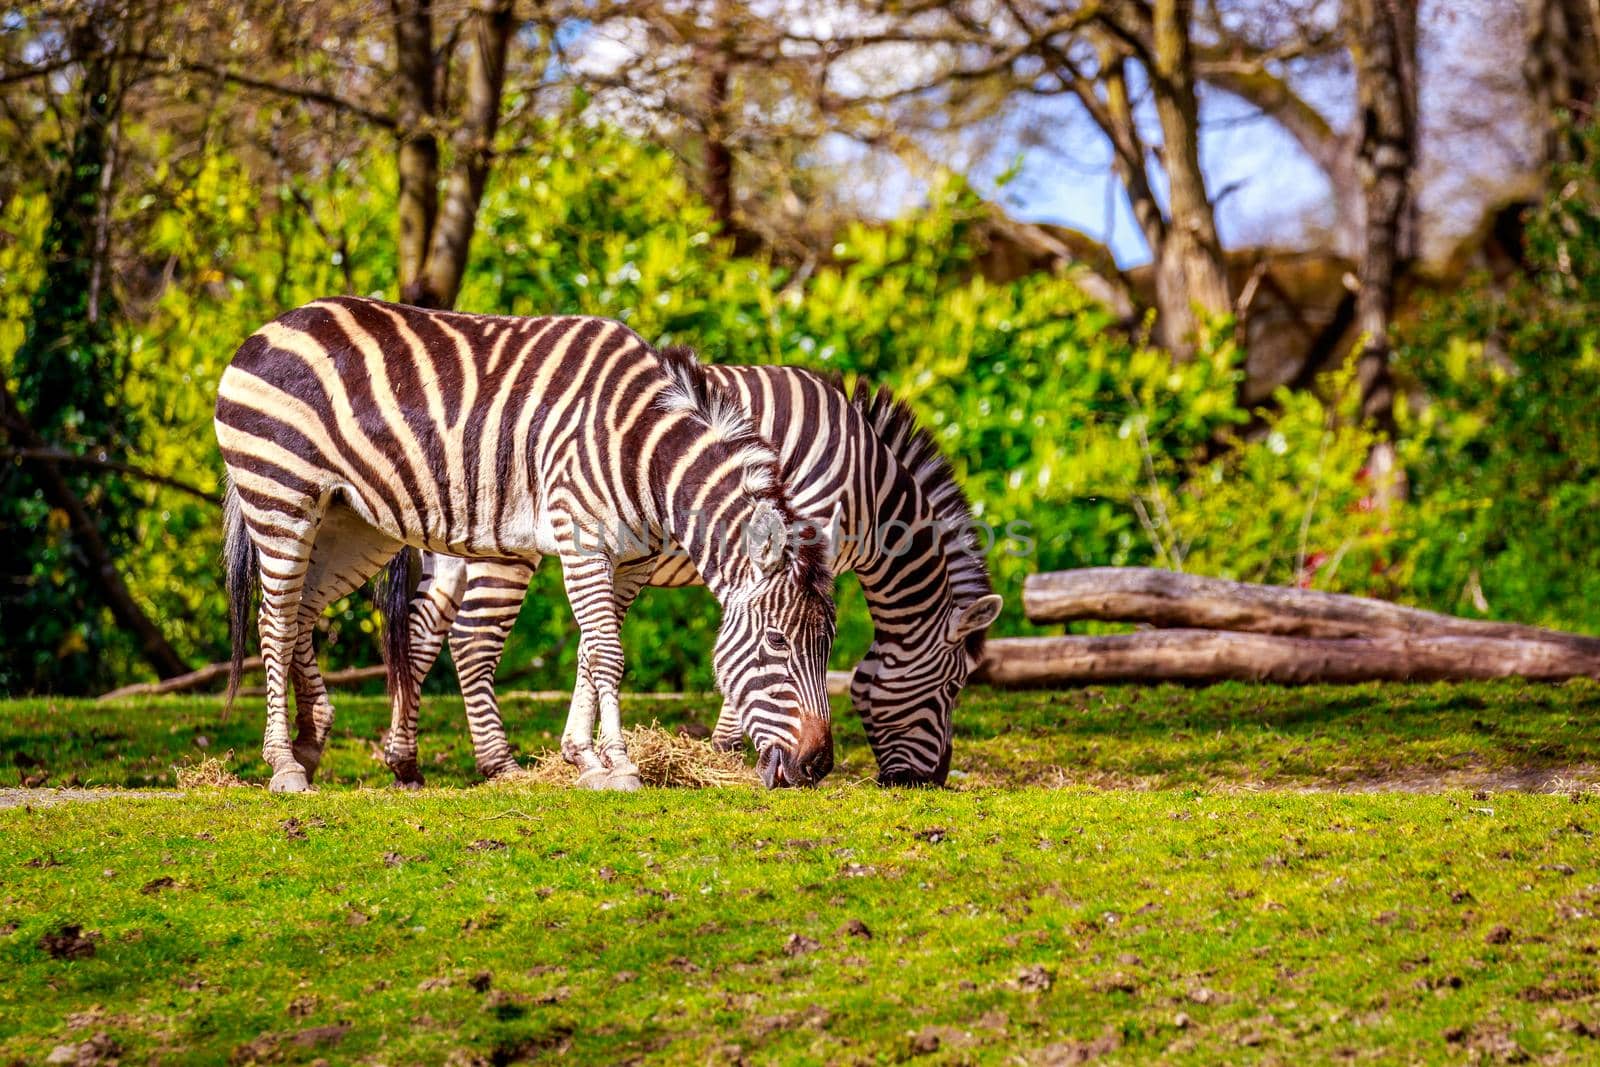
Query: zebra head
point(772, 650)
point(905, 690)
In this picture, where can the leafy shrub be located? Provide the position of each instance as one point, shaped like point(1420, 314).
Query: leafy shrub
point(1506, 468)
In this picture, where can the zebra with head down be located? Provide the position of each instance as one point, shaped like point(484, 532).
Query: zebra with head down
point(857, 462)
point(352, 428)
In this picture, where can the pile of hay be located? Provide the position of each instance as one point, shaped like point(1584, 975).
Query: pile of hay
point(209, 773)
point(665, 758)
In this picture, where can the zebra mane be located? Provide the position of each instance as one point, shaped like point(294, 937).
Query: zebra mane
point(914, 447)
point(692, 391)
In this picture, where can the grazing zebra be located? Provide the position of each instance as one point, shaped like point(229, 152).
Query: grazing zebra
point(354, 427)
point(901, 523)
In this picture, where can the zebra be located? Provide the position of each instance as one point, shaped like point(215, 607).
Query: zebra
point(900, 521)
point(353, 427)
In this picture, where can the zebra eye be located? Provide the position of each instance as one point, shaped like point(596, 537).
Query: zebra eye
point(776, 641)
point(952, 689)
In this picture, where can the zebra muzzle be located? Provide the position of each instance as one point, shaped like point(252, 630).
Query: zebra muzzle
point(806, 764)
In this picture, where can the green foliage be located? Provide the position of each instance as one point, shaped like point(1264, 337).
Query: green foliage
point(65, 376)
point(1078, 444)
point(1505, 464)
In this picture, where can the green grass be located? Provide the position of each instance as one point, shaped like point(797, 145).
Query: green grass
point(1156, 737)
point(1226, 915)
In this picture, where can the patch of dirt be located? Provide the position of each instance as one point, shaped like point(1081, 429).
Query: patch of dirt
point(331, 1034)
point(1034, 979)
point(49, 798)
point(530, 1049)
point(1575, 779)
point(1065, 1053)
point(799, 945)
point(102, 1048)
point(985, 770)
point(69, 942)
point(856, 928)
point(931, 1039)
point(269, 1047)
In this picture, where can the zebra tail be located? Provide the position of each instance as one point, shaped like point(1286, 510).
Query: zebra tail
point(395, 604)
point(242, 575)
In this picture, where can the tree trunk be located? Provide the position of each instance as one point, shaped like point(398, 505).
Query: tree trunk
point(719, 157)
point(1561, 66)
point(435, 237)
point(418, 153)
point(1191, 274)
point(1128, 148)
point(1383, 42)
point(486, 72)
point(1187, 601)
point(1201, 656)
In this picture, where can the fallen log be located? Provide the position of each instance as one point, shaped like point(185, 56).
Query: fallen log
point(332, 679)
point(214, 672)
point(1196, 656)
point(1172, 600)
point(838, 682)
point(183, 683)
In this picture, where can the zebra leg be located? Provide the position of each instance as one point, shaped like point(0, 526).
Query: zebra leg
point(285, 553)
point(727, 735)
point(589, 585)
point(623, 773)
point(346, 554)
point(432, 612)
point(494, 596)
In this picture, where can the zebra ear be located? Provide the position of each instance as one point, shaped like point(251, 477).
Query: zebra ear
point(978, 615)
point(834, 533)
point(766, 538)
point(828, 536)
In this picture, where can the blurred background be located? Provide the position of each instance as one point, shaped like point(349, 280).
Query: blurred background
point(1293, 292)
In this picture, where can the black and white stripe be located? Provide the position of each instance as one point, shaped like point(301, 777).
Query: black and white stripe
point(352, 427)
point(857, 463)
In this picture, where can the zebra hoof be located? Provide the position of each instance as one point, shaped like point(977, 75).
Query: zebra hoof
point(309, 761)
point(595, 779)
point(410, 785)
point(624, 782)
point(290, 780)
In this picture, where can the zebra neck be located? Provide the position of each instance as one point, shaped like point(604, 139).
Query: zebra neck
point(902, 554)
point(704, 505)
point(712, 537)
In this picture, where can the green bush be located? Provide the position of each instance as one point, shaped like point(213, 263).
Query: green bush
point(1506, 468)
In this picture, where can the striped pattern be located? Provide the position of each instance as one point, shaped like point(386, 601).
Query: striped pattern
point(353, 427)
point(855, 461)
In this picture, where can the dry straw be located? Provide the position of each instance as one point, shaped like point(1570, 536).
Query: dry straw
point(209, 773)
point(664, 758)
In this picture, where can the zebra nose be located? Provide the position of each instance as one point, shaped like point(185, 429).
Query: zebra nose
point(815, 768)
point(812, 758)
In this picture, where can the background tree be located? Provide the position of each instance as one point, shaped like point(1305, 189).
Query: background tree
point(1562, 69)
point(1383, 38)
point(68, 515)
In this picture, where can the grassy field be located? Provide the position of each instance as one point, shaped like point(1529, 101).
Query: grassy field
point(1121, 874)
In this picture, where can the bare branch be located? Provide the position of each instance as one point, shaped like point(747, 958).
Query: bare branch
point(63, 458)
point(266, 85)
